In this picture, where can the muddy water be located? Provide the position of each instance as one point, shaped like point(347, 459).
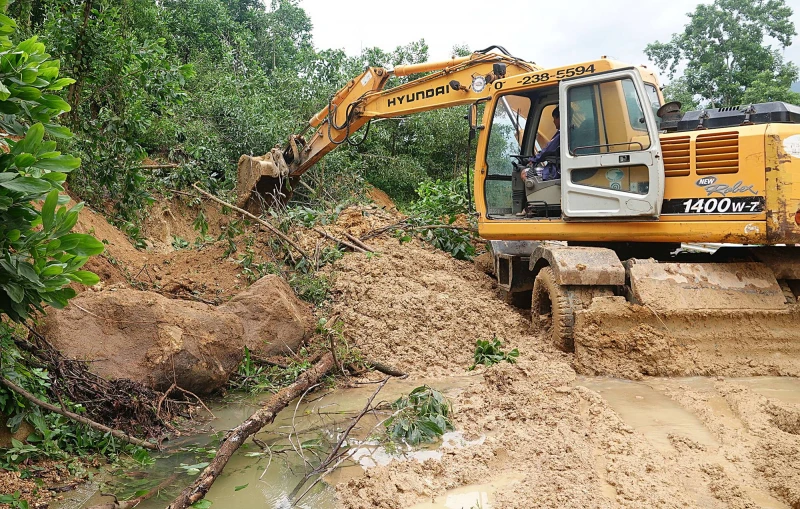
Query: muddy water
point(254, 478)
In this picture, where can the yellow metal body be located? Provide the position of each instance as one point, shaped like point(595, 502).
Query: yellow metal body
point(747, 161)
point(750, 160)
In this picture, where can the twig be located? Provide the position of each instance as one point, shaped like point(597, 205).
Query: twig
point(260, 221)
point(75, 417)
point(334, 454)
point(355, 240)
point(443, 226)
point(340, 241)
point(236, 437)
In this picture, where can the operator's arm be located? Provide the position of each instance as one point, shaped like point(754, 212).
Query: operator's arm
point(553, 148)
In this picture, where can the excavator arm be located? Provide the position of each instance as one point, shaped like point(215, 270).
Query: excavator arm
point(451, 82)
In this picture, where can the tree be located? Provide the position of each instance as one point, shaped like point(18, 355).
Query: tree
point(724, 52)
point(39, 256)
point(677, 90)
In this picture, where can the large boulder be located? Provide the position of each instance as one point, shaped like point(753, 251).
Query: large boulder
point(159, 341)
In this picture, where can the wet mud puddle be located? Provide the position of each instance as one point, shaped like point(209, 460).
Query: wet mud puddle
point(256, 478)
point(648, 407)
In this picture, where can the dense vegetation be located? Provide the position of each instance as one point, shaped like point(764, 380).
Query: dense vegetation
point(200, 82)
point(726, 57)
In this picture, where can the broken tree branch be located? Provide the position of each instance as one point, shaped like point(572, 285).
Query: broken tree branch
point(260, 221)
point(237, 436)
point(355, 240)
point(75, 417)
point(340, 241)
point(385, 368)
point(335, 455)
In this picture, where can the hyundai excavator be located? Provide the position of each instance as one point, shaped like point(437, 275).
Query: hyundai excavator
point(618, 258)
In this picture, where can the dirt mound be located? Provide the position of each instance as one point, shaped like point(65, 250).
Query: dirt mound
point(157, 341)
point(169, 263)
point(381, 199)
point(421, 309)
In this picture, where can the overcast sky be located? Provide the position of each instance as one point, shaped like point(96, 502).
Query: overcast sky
point(553, 33)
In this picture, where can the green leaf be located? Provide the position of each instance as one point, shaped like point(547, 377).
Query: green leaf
point(15, 292)
point(4, 92)
point(27, 185)
point(13, 235)
point(53, 270)
point(27, 93)
point(85, 277)
point(24, 160)
point(81, 244)
point(239, 488)
point(49, 209)
point(202, 504)
point(9, 108)
point(63, 163)
point(57, 131)
point(60, 83)
point(54, 102)
point(31, 141)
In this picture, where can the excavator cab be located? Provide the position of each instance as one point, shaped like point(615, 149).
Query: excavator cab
point(610, 161)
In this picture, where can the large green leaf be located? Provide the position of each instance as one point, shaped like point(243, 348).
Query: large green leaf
point(28, 185)
point(54, 102)
point(49, 209)
point(63, 163)
point(31, 141)
point(81, 244)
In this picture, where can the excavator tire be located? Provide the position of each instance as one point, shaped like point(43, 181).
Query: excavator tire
point(551, 310)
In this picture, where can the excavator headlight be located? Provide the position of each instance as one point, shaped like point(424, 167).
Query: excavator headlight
point(478, 84)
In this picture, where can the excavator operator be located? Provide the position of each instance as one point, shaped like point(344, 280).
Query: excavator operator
point(549, 154)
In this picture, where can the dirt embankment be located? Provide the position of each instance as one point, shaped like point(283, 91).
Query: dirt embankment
point(548, 439)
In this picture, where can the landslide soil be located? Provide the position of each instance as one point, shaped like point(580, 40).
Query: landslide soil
point(548, 439)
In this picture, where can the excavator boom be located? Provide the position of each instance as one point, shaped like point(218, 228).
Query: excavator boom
point(450, 83)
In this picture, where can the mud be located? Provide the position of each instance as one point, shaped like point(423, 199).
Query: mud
point(553, 438)
point(613, 337)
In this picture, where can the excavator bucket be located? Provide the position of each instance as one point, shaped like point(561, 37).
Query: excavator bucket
point(263, 181)
point(684, 319)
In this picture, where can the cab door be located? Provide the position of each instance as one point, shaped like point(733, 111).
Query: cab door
point(611, 163)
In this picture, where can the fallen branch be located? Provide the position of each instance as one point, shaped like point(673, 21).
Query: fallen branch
point(385, 368)
point(355, 240)
point(237, 436)
point(75, 417)
point(340, 241)
point(260, 221)
point(336, 456)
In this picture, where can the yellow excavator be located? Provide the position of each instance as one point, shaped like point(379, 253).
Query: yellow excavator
point(652, 234)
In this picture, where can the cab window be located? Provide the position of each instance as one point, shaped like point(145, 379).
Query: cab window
point(505, 140)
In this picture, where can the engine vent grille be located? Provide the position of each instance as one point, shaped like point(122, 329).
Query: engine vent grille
point(717, 153)
point(676, 156)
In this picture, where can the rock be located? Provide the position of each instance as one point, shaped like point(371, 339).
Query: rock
point(6, 435)
point(155, 340)
point(275, 321)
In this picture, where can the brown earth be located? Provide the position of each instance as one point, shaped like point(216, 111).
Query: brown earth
point(148, 338)
point(550, 437)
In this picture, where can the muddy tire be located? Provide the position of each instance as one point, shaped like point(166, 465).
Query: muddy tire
point(551, 310)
